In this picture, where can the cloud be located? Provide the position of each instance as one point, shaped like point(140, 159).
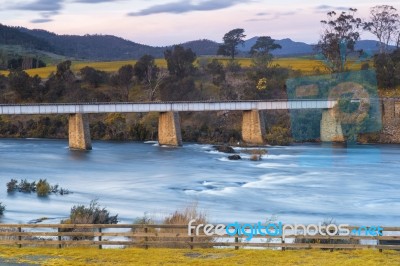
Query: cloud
point(270, 16)
point(93, 1)
point(184, 6)
point(325, 8)
point(41, 5)
point(41, 20)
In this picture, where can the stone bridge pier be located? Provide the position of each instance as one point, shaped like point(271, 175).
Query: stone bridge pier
point(331, 128)
point(253, 127)
point(169, 129)
point(79, 132)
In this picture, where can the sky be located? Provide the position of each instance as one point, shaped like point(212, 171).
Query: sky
point(167, 22)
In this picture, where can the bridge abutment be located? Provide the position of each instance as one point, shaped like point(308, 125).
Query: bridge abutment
point(253, 127)
point(331, 128)
point(169, 129)
point(79, 132)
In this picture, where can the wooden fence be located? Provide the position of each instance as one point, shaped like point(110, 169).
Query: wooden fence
point(176, 236)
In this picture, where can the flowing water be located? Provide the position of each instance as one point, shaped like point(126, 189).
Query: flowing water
point(307, 183)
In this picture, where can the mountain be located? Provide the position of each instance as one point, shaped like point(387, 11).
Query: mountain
point(13, 36)
point(289, 47)
point(95, 47)
point(109, 47)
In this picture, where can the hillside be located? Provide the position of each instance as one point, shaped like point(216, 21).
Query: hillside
point(112, 48)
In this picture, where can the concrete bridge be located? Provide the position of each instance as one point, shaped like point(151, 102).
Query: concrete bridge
point(169, 132)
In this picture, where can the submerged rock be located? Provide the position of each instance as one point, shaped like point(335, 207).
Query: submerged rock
point(224, 148)
point(234, 157)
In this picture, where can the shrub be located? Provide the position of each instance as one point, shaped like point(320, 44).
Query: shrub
point(26, 186)
point(12, 185)
point(183, 217)
point(2, 208)
point(43, 188)
point(279, 136)
point(92, 214)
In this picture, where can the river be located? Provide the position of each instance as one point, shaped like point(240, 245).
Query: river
point(307, 183)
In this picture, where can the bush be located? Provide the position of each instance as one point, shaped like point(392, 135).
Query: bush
point(12, 185)
point(92, 214)
point(279, 136)
point(43, 188)
point(2, 208)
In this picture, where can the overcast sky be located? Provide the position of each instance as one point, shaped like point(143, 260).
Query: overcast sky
point(165, 22)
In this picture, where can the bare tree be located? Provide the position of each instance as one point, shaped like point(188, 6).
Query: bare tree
point(384, 25)
point(154, 80)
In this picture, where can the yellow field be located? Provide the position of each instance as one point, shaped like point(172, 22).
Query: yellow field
point(305, 65)
point(93, 256)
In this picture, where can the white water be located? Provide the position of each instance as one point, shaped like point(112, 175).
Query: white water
point(358, 185)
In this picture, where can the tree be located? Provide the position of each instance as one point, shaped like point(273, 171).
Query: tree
point(231, 40)
point(144, 67)
point(180, 61)
point(93, 76)
point(216, 69)
point(123, 79)
point(338, 38)
point(21, 83)
point(149, 75)
point(261, 51)
point(384, 23)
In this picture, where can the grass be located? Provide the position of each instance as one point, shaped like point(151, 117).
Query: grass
point(93, 256)
point(304, 64)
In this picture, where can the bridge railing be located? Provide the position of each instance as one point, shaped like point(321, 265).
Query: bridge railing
point(173, 236)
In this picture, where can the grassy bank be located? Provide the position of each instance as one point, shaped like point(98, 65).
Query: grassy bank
point(93, 256)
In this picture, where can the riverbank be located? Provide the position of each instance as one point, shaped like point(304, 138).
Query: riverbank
point(93, 256)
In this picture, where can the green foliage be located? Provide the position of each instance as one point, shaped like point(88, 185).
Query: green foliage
point(43, 188)
point(216, 69)
point(231, 40)
point(145, 68)
point(12, 185)
point(2, 208)
point(93, 77)
point(339, 38)
point(279, 135)
point(180, 61)
point(92, 214)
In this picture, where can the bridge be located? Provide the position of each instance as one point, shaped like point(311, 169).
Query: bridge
point(169, 132)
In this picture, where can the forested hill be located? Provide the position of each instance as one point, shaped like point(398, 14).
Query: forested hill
point(14, 36)
point(91, 47)
point(95, 47)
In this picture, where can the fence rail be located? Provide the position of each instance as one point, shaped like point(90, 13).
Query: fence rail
point(136, 235)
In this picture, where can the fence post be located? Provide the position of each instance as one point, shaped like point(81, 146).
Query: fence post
point(192, 238)
point(59, 237)
point(146, 238)
point(236, 241)
point(283, 242)
point(19, 237)
point(100, 238)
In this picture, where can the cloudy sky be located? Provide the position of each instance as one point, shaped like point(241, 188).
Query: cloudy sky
point(165, 22)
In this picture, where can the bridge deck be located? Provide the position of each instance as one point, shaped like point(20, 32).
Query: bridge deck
point(92, 108)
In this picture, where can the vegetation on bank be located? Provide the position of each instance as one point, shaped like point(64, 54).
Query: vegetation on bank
point(94, 256)
point(42, 187)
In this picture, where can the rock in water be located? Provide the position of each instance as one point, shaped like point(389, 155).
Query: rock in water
point(224, 148)
point(234, 157)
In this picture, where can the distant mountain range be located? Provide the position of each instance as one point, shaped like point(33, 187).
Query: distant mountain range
point(108, 47)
